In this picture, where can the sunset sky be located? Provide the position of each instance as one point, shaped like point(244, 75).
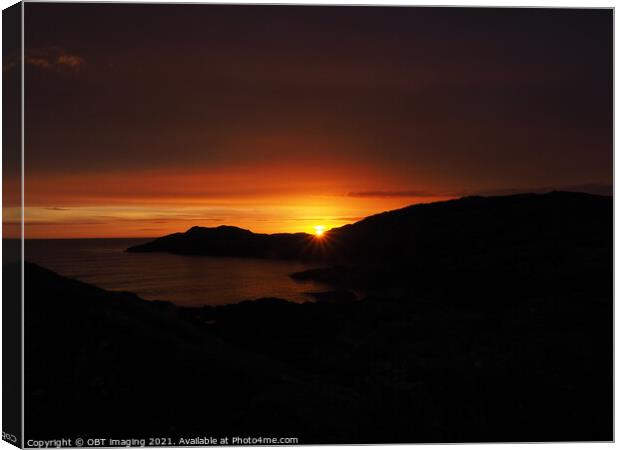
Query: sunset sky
point(143, 120)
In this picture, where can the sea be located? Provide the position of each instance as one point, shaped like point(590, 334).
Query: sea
point(183, 280)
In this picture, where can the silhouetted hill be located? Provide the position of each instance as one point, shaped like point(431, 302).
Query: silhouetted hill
point(232, 241)
point(113, 365)
point(477, 225)
point(480, 251)
point(482, 319)
point(464, 227)
point(475, 250)
point(392, 368)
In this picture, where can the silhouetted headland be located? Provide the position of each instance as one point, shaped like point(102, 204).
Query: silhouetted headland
point(232, 241)
point(436, 230)
point(531, 243)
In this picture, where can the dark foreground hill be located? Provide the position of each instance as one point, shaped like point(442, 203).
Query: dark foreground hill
point(108, 364)
point(389, 369)
point(484, 319)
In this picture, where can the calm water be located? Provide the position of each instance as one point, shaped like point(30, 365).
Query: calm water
point(184, 280)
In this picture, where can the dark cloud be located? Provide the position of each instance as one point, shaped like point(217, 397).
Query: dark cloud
point(48, 58)
point(159, 220)
point(349, 219)
point(446, 101)
point(72, 61)
point(40, 223)
point(592, 188)
point(394, 194)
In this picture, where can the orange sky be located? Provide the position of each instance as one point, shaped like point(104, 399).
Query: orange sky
point(281, 118)
point(269, 199)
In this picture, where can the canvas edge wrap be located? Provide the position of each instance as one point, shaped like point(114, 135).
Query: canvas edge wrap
point(12, 220)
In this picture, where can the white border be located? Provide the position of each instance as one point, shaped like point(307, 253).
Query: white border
point(480, 3)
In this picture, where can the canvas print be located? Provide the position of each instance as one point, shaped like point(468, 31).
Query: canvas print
point(294, 225)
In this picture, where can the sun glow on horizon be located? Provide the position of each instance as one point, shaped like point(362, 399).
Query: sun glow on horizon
point(69, 216)
point(319, 230)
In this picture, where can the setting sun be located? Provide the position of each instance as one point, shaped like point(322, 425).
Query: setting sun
point(319, 230)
